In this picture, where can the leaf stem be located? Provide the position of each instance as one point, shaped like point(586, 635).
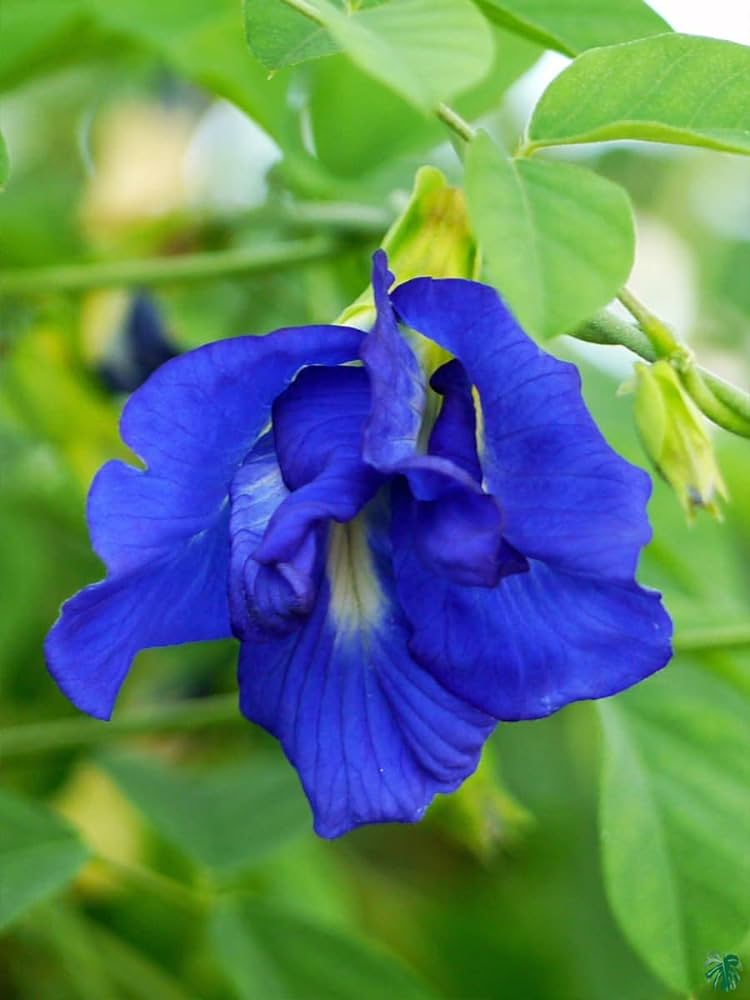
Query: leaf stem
point(166, 888)
point(658, 333)
point(165, 270)
point(303, 7)
point(455, 122)
point(696, 640)
point(80, 731)
point(723, 403)
point(605, 328)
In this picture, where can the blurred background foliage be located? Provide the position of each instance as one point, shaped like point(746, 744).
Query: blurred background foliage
point(179, 863)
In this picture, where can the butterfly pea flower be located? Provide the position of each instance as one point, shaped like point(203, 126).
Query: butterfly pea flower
point(406, 556)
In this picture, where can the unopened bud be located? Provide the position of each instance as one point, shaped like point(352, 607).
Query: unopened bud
point(674, 437)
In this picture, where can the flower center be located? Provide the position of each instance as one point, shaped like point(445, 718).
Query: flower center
point(356, 598)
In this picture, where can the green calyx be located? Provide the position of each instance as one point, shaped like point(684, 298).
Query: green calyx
point(431, 237)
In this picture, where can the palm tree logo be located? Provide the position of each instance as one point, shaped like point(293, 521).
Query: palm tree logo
point(723, 971)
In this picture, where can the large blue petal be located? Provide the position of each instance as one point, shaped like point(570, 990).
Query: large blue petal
point(192, 423)
point(163, 532)
point(178, 598)
point(536, 641)
point(372, 735)
point(566, 497)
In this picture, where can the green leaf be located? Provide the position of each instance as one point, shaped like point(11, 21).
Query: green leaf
point(136, 973)
point(227, 819)
point(339, 90)
point(399, 43)
point(675, 818)
point(571, 26)
point(39, 855)
point(273, 953)
point(402, 43)
point(36, 33)
point(4, 162)
point(279, 36)
point(671, 88)
point(558, 239)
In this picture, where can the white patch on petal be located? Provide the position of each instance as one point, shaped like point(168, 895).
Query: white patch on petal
point(356, 598)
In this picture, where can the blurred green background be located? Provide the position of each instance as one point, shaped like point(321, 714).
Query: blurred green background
point(179, 863)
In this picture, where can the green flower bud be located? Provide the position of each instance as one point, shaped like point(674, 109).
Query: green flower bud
point(674, 437)
point(431, 237)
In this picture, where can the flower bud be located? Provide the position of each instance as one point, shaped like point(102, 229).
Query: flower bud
point(674, 437)
point(431, 237)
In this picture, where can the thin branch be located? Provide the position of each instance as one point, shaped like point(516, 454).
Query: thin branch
point(165, 270)
point(80, 731)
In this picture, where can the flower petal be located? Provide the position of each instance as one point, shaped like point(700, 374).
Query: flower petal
point(372, 735)
point(567, 498)
point(454, 435)
point(320, 419)
point(536, 641)
point(163, 532)
point(460, 536)
point(179, 598)
point(261, 601)
point(317, 432)
point(396, 379)
point(193, 422)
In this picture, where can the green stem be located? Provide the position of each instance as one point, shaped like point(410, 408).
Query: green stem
point(658, 333)
point(455, 122)
point(604, 328)
point(64, 734)
point(166, 888)
point(697, 640)
point(164, 270)
point(526, 149)
point(725, 404)
point(341, 216)
point(309, 11)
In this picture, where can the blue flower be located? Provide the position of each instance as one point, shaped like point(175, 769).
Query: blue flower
point(404, 565)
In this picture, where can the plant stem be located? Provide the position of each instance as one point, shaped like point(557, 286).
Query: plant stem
point(455, 122)
point(696, 640)
point(64, 734)
point(303, 7)
point(166, 888)
point(342, 216)
point(605, 328)
point(725, 404)
point(164, 270)
point(658, 333)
